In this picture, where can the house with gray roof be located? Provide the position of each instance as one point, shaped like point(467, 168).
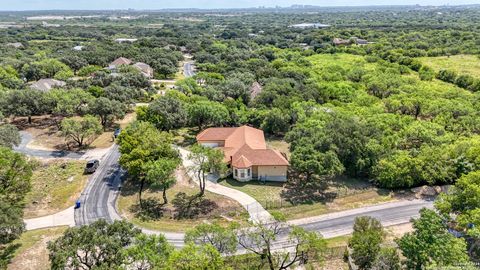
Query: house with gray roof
point(45, 85)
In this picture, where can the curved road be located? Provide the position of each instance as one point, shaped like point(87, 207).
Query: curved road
point(27, 137)
point(99, 198)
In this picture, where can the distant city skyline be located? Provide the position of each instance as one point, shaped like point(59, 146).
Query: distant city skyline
point(7, 5)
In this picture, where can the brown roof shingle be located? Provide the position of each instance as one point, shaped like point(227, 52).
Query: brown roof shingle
point(244, 146)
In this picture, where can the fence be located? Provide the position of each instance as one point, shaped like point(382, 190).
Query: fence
point(339, 193)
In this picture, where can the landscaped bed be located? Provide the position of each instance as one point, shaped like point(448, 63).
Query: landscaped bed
point(225, 211)
point(56, 184)
point(294, 202)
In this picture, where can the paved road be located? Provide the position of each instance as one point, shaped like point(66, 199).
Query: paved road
point(188, 69)
point(98, 198)
point(27, 137)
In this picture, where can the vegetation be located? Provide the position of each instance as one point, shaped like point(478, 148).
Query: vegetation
point(15, 175)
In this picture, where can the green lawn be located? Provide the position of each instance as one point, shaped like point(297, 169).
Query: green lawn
point(462, 64)
point(55, 186)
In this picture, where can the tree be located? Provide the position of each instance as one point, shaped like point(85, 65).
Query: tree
point(259, 239)
point(9, 135)
point(206, 160)
point(161, 173)
point(166, 113)
point(387, 259)
point(108, 110)
point(15, 175)
point(305, 159)
point(203, 113)
point(140, 145)
point(276, 122)
point(426, 73)
point(431, 243)
point(97, 246)
point(223, 239)
point(447, 75)
point(25, 102)
point(194, 256)
point(81, 131)
point(69, 102)
point(148, 252)
point(463, 200)
point(365, 243)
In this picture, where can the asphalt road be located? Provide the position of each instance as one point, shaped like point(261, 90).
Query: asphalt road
point(98, 198)
point(27, 137)
point(188, 69)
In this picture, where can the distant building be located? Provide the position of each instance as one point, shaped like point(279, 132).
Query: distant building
point(118, 62)
point(45, 85)
point(341, 42)
point(78, 48)
point(352, 40)
point(16, 45)
point(123, 40)
point(255, 90)
point(246, 153)
point(309, 25)
point(145, 69)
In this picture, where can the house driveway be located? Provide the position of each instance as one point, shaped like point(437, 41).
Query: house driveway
point(255, 209)
point(63, 218)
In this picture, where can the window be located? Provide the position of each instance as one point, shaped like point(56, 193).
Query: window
point(248, 172)
point(236, 173)
point(242, 174)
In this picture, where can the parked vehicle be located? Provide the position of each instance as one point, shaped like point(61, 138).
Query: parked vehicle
point(92, 166)
point(117, 132)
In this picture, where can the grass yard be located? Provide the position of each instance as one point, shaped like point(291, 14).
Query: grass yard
point(342, 194)
point(55, 186)
point(32, 253)
point(279, 144)
point(227, 211)
point(462, 64)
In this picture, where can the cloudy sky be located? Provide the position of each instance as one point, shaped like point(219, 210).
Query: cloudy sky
point(159, 4)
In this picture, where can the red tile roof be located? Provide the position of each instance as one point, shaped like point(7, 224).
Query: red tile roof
point(244, 146)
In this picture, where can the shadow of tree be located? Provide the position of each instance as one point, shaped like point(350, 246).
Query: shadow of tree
point(187, 207)
point(7, 253)
point(300, 191)
point(151, 209)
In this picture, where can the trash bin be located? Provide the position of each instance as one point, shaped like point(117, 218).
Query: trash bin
point(77, 204)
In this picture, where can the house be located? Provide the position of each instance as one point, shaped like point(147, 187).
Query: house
point(78, 48)
point(45, 85)
point(16, 45)
point(341, 42)
point(309, 25)
point(119, 61)
point(127, 40)
point(255, 90)
point(246, 153)
point(145, 69)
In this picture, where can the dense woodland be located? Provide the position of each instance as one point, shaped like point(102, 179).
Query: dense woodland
point(372, 111)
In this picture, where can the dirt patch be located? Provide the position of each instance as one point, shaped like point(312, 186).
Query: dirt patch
point(33, 253)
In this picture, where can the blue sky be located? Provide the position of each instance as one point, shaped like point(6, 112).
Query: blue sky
point(159, 4)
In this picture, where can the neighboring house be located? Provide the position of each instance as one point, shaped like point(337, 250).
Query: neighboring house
point(309, 25)
point(78, 48)
point(118, 62)
point(255, 90)
point(246, 153)
point(16, 45)
point(45, 85)
point(128, 40)
point(341, 41)
point(145, 69)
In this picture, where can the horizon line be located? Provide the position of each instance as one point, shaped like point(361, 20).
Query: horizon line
point(296, 6)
